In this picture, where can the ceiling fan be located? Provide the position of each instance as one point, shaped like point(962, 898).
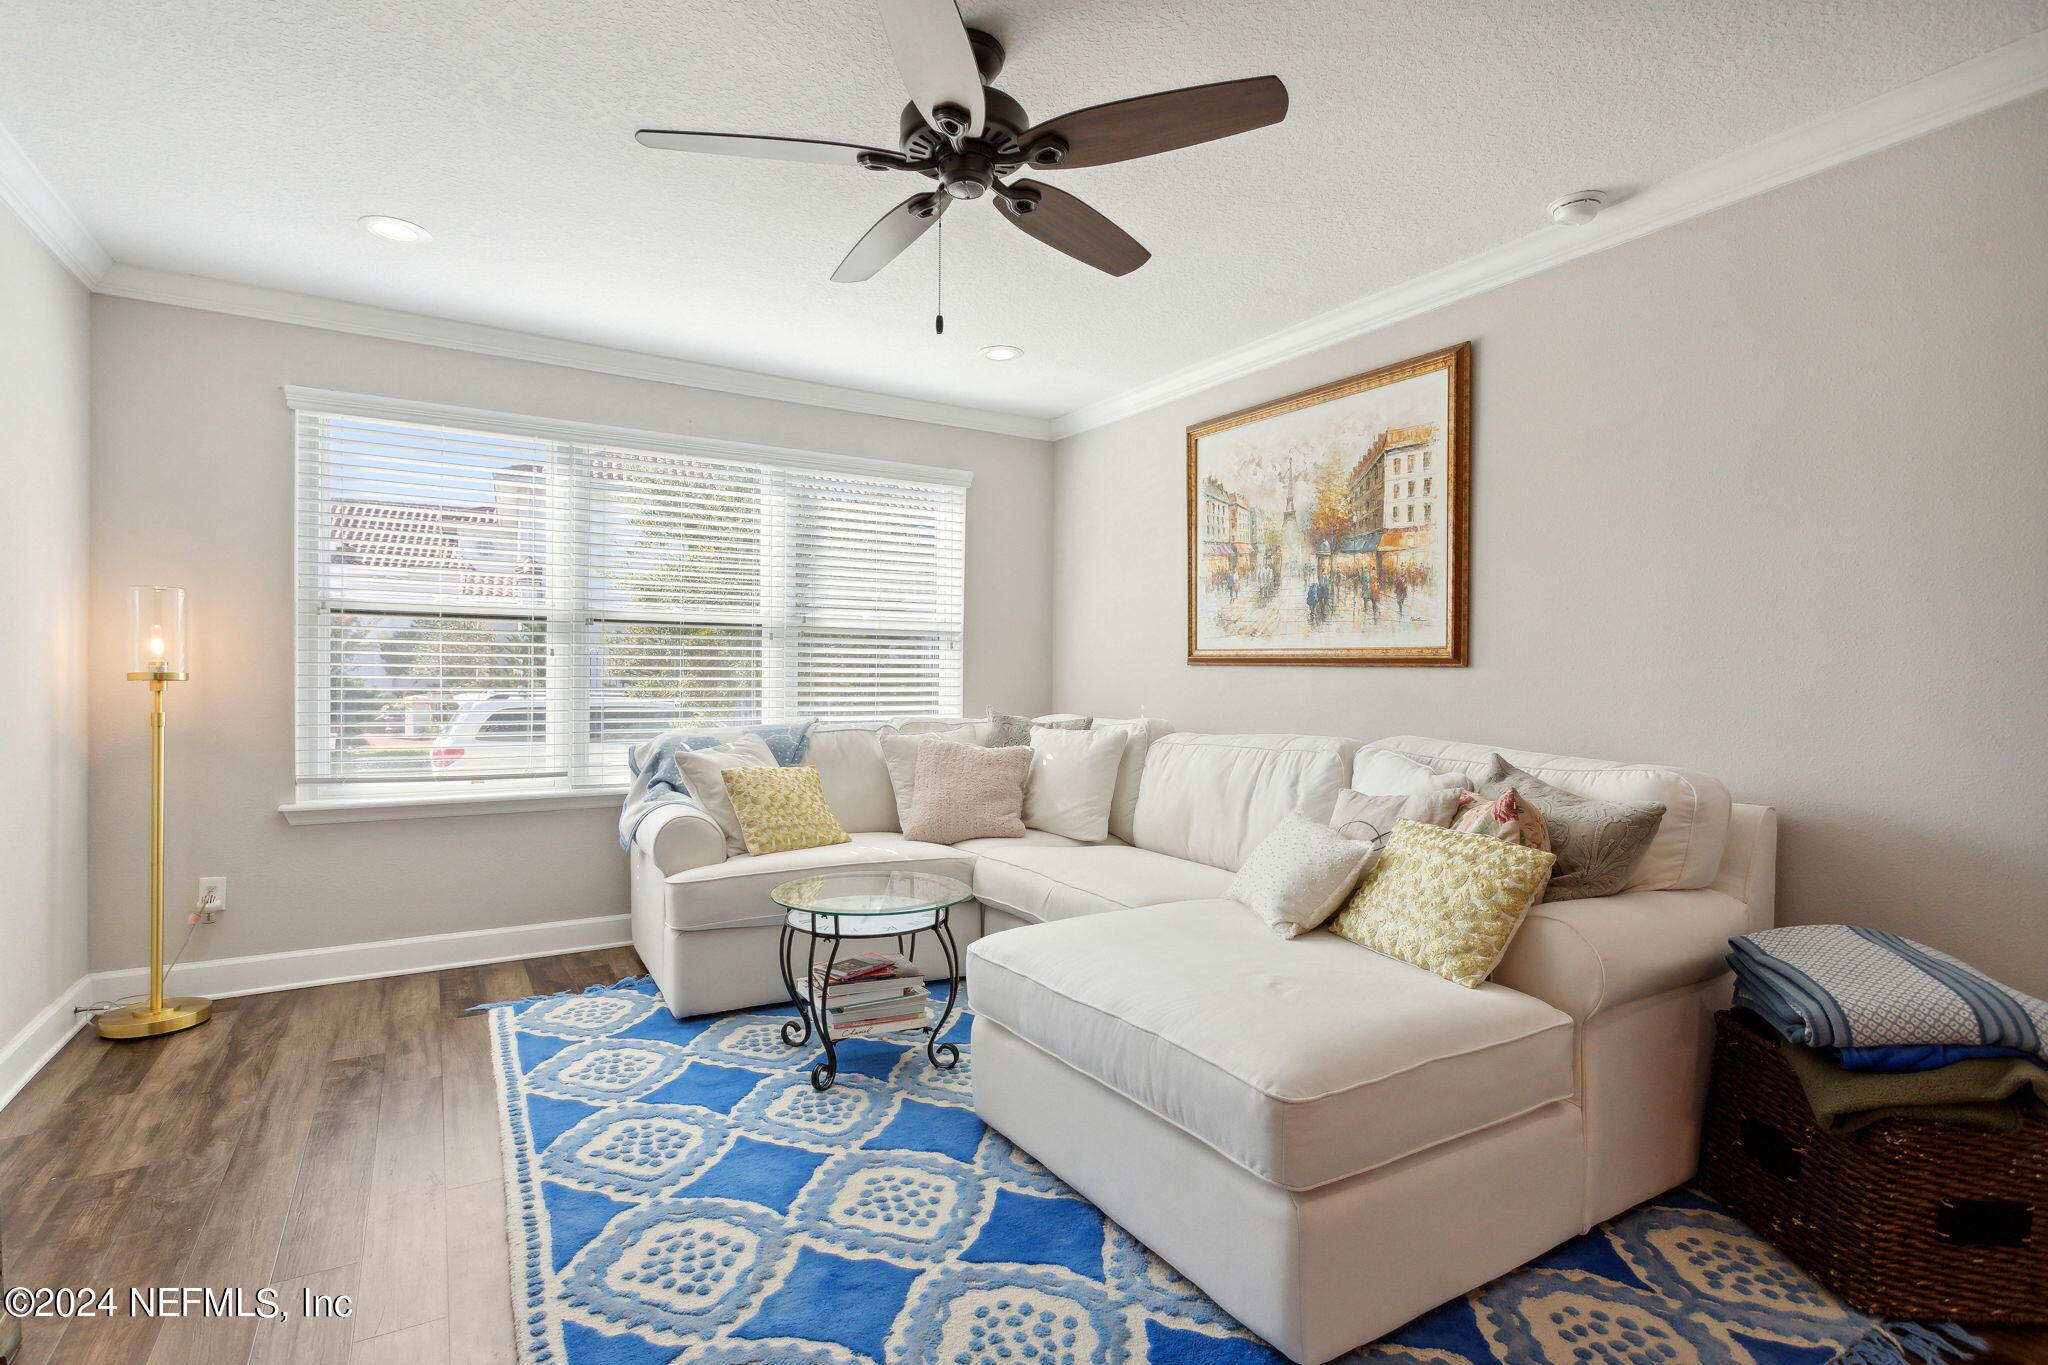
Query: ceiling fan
point(971, 138)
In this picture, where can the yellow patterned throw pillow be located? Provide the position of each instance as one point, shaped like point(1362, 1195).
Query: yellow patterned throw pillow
point(1445, 900)
point(781, 809)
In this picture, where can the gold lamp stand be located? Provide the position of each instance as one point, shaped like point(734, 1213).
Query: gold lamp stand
point(163, 665)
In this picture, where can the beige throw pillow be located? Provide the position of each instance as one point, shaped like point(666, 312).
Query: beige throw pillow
point(1444, 900)
point(1371, 819)
point(899, 755)
point(964, 791)
point(703, 773)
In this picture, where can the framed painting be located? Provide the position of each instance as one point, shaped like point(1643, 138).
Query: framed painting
point(1330, 527)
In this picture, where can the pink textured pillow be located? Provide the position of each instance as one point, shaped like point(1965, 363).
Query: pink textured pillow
point(964, 791)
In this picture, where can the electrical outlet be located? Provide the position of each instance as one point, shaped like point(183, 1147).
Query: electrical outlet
point(213, 898)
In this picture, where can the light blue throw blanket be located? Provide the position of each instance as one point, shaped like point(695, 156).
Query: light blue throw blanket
point(1842, 986)
point(658, 780)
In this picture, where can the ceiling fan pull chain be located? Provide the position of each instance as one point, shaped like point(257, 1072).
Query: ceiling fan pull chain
point(939, 240)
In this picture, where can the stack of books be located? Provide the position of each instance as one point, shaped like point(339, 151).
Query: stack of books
point(870, 993)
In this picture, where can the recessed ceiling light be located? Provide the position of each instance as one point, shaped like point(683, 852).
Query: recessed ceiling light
point(395, 229)
point(1001, 352)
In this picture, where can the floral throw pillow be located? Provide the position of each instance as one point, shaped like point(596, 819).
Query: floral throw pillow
point(1446, 901)
point(1503, 815)
point(782, 808)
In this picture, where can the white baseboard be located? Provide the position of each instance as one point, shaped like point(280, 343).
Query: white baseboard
point(23, 1055)
point(221, 977)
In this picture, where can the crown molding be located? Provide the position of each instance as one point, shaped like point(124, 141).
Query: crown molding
point(307, 310)
point(24, 190)
point(1962, 91)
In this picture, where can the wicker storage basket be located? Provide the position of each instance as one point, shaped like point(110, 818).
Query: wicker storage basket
point(1901, 1219)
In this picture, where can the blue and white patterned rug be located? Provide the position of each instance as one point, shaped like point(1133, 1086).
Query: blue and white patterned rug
point(683, 1197)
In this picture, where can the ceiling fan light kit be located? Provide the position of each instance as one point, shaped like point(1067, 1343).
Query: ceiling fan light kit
point(973, 139)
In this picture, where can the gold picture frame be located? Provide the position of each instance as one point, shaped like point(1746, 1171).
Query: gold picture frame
point(1333, 526)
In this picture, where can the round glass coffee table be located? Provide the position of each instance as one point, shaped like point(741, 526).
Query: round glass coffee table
point(836, 906)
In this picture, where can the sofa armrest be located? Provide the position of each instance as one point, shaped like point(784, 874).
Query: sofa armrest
point(678, 837)
point(1749, 867)
point(1585, 956)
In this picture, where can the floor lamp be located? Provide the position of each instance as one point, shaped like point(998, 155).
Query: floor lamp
point(156, 626)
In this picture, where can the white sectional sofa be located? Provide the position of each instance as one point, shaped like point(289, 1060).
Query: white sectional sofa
point(1327, 1141)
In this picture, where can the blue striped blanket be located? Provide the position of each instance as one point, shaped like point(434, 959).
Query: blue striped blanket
point(658, 780)
point(1841, 986)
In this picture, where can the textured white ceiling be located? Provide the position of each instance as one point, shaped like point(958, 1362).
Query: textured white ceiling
point(241, 139)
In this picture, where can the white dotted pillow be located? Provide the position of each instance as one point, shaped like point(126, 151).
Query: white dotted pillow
point(1299, 874)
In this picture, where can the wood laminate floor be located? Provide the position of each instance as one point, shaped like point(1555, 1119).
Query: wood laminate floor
point(339, 1140)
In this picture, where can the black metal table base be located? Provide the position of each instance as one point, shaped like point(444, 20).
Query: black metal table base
point(811, 1012)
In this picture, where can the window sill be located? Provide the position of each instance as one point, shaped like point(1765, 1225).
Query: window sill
point(427, 807)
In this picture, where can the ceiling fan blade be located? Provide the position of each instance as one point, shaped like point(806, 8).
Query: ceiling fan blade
point(1165, 122)
point(1066, 224)
point(889, 238)
point(747, 144)
point(935, 59)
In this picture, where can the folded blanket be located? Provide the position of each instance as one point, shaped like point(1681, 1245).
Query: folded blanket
point(658, 781)
point(1842, 986)
point(1919, 1056)
point(1988, 1092)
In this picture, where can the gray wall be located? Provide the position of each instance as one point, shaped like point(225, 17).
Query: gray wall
point(192, 484)
point(43, 448)
point(1762, 494)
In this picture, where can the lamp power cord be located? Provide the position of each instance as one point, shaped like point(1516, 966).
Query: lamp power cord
point(192, 922)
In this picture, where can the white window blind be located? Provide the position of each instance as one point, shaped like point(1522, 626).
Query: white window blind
point(498, 604)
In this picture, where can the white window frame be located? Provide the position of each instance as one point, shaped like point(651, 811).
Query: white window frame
point(312, 682)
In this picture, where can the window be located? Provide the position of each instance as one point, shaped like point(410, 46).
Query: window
point(495, 604)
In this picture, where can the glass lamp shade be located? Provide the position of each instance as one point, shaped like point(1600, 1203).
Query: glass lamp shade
point(156, 632)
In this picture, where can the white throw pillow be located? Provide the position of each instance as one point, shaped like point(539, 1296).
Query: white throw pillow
point(899, 755)
point(1380, 773)
point(704, 774)
point(1073, 781)
point(1299, 875)
point(1130, 770)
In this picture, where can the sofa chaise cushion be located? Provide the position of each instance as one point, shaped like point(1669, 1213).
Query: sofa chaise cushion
point(734, 893)
point(1039, 881)
point(1304, 1061)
